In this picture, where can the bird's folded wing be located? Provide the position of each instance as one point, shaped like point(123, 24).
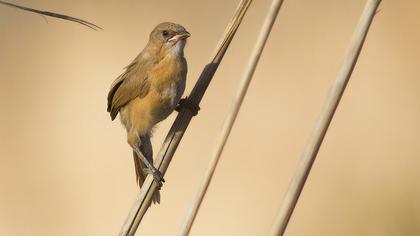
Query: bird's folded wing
point(129, 85)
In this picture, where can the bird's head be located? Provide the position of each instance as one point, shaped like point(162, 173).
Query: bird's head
point(169, 39)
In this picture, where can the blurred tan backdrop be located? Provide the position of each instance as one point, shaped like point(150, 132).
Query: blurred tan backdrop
point(65, 168)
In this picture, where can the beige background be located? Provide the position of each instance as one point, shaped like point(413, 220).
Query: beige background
point(65, 168)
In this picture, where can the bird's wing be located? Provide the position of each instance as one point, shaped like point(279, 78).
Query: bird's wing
point(129, 85)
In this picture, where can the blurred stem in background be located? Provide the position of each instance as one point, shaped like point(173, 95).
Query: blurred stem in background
point(324, 120)
point(52, 14)
point(232, 114)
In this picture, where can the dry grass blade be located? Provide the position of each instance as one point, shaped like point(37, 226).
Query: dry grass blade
point(179, 126)
point(52, 14)
point(324, 120)
point(232, 114)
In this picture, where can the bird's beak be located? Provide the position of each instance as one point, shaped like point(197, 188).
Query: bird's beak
point(180, 36)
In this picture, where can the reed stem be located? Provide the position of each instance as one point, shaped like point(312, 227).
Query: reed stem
point(324, 120)
point(232, 114)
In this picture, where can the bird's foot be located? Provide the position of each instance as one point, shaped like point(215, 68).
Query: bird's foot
point(186, 103)
point(157, 175)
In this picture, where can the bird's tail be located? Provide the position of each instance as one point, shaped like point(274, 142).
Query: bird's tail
point(141, 176)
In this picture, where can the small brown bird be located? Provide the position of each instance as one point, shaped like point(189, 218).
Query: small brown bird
point(148, 91)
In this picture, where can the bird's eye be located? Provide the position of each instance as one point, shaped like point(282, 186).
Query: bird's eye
point(165, 33)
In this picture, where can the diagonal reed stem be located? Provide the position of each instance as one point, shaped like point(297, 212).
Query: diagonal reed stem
point(52, 14)
point(180, 125)
point(324, 120)
point(232, 114)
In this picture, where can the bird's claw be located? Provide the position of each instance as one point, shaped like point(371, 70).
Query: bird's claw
point(157, 175)
point(186, 103)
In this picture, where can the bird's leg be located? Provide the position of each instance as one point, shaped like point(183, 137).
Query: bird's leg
point(155, 172)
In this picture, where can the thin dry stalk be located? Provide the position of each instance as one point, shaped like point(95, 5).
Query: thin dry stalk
point(179, 126)
point(52, 14)
point(324, 120)
point(232, 114)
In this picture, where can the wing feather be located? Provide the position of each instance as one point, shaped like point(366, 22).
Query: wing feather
point(129, 85)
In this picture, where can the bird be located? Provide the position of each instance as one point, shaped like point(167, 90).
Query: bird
point(148, 91)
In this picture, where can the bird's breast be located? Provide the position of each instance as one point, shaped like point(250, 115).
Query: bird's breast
point(168, 84)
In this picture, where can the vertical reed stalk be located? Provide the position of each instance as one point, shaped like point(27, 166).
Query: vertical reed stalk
point(324, 120)
point(232, 114)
